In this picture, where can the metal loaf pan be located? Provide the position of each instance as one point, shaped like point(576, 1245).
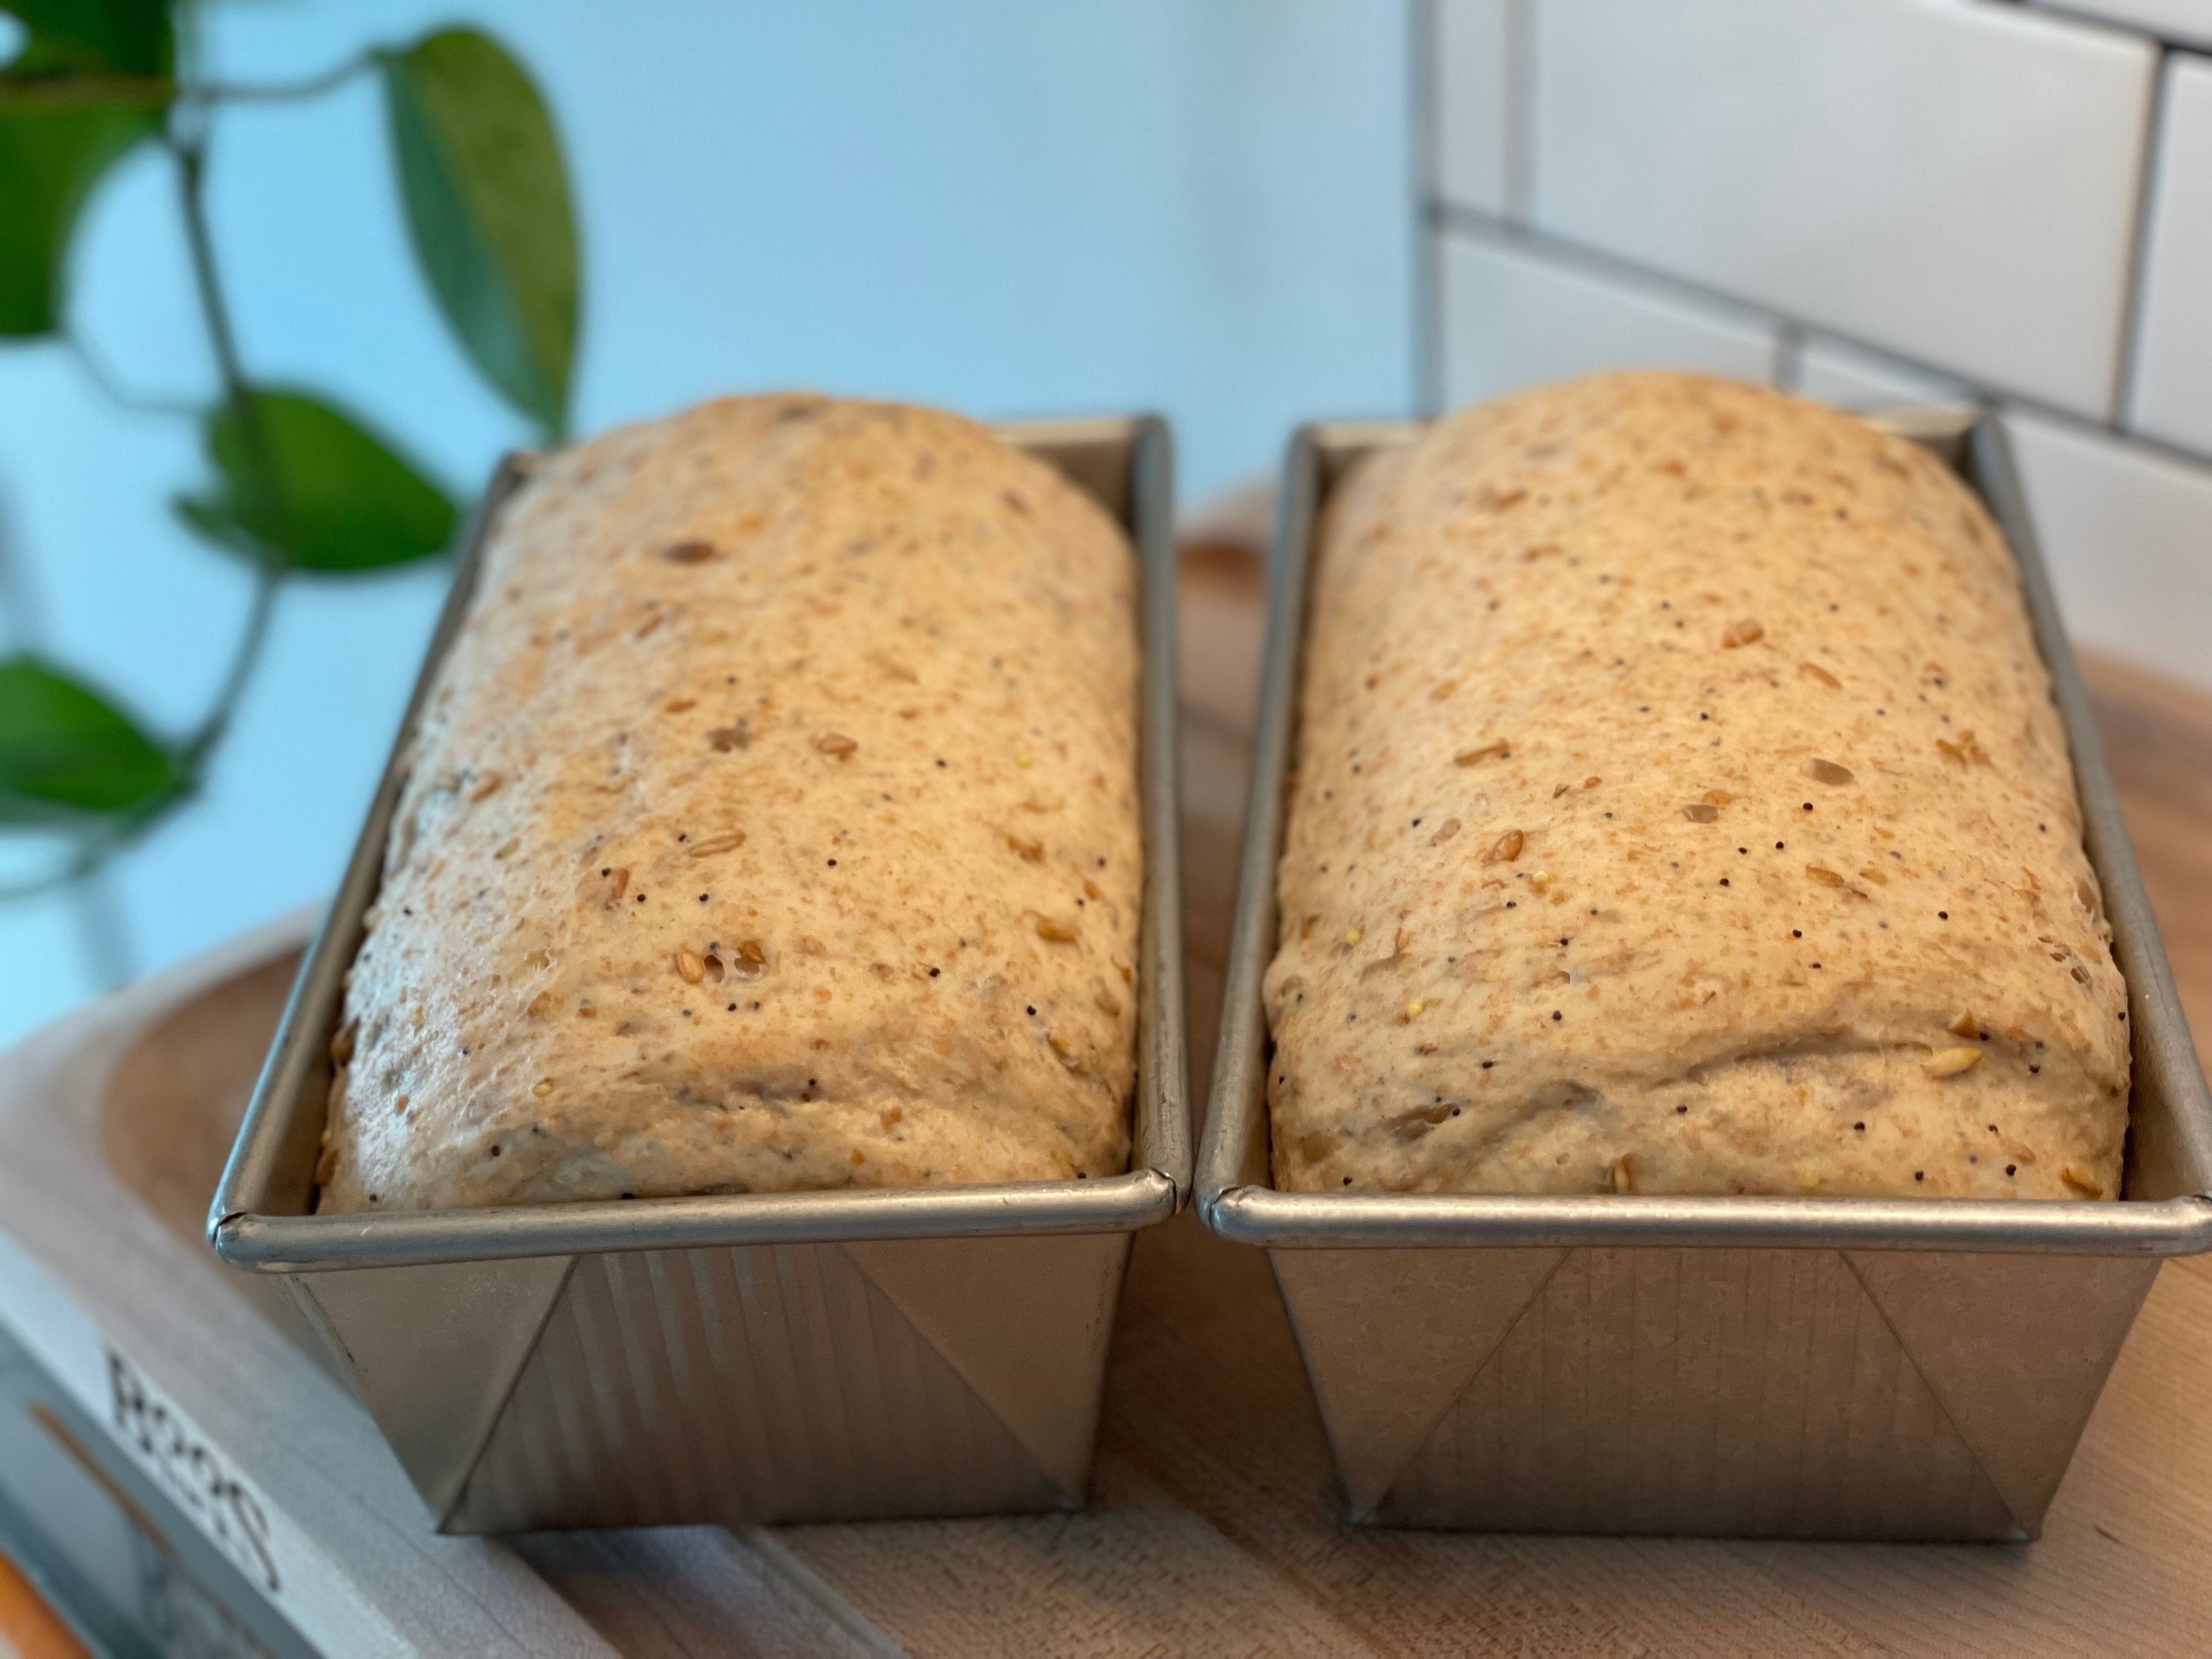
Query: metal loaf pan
point(1791, 1367)
point(771, 1356)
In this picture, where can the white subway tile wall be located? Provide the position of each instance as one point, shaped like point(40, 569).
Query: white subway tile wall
point(1474, 39)
point(1851, 377)
point(2171, 394)
point(2128, 534)
point(1957, 180)
point(1867, 202)
point(2187, 21)
point(1513, 319)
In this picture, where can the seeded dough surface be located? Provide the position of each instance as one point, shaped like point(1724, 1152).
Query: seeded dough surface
point(772, 824)
point(1681, 808)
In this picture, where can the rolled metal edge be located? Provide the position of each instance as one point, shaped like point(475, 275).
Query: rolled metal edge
point(1163, 1145)
point(413, 1238)
point(1262, 1216)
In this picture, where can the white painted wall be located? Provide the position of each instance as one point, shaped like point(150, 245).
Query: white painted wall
point(1005, 206)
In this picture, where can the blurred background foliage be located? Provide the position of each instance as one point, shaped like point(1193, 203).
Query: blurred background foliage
point(296, 485)
point(1010, 208)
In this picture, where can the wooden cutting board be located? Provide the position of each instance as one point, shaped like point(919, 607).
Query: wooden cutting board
point(1215, 1525)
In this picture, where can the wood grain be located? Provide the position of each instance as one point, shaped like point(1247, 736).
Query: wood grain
point(1216, 1525)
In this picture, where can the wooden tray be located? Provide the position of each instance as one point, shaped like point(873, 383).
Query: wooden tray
point(1215, 1521)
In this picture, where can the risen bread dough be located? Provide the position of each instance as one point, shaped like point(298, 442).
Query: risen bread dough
point(772, 824)
point(1681, 807)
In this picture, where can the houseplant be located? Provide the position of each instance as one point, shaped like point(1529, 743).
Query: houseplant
point(296, 486)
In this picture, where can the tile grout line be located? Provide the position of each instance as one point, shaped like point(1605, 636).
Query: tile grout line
point(1788, 369)
point(1425, 131)
point(1519, 111)
point(2129, 343)
point(2107, 23)
point(1456, 218)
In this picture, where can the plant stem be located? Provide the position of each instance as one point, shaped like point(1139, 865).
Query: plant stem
point(190, 149)
point(83, 860)
point(186, 136)
point(188, 141)
point(210, 729)
point(285, 91)
point(103, 375)
point(146, 92)
point(107, 935)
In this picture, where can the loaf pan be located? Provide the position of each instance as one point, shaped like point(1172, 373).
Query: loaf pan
point(739, 1358)
point(1785, 1367)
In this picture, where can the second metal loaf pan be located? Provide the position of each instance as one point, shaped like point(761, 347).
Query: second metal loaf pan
point(1858, 1368)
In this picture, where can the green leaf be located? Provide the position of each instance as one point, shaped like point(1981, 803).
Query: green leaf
point(51, 156)
point(212, 517)
point(92, 38)
point(66, 751)
point(487, 211)
point(333, 497)
point(91, 81)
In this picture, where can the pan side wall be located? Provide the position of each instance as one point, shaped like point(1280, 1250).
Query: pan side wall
point(1807, 1393)
point(778, 1383)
